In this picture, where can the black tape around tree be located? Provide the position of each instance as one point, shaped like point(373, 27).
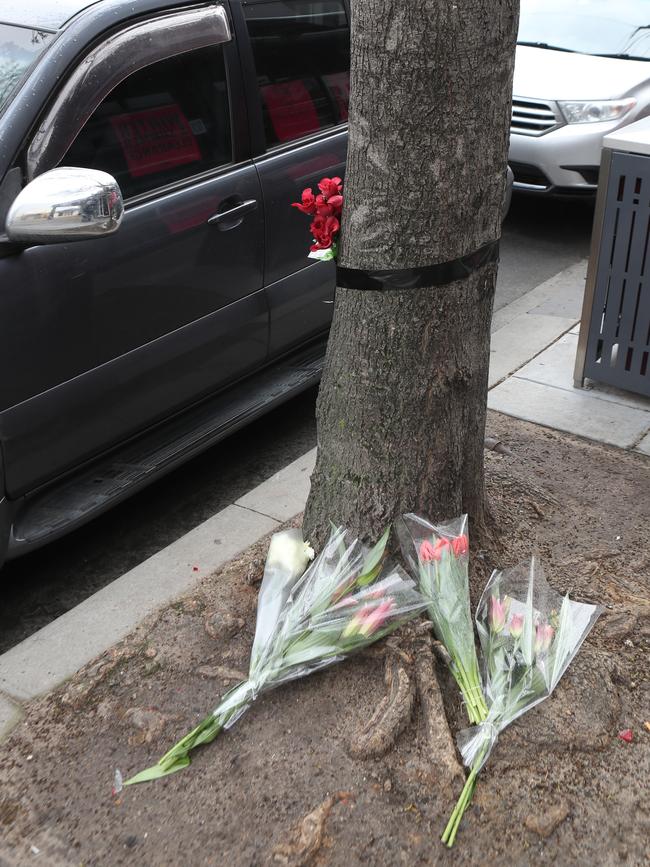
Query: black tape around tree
point(418, 278)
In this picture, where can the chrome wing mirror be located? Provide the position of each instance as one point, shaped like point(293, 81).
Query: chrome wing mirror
point(65, 204)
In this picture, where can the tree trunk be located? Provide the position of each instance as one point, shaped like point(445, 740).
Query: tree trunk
point(401, 409)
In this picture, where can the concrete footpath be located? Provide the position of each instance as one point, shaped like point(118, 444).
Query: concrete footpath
point(531, 374)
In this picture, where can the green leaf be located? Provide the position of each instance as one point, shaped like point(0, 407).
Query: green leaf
point(372, 564)
point(155, 772)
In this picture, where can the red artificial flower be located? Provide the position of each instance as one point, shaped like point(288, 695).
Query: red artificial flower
point(323, 229)
point(308, 203)
point(626, 735)
point(460, 545)
point(330, 187)
point(323, 207)
point(336, 202)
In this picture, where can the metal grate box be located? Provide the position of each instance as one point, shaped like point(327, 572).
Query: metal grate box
point(614, 342)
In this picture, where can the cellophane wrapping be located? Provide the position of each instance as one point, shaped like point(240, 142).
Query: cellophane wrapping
point(345, 600)
point(529, 634)
point(438, 555)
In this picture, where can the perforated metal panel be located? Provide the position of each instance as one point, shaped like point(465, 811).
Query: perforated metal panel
point(618, 344)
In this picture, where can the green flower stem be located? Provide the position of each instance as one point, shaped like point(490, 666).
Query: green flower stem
point(470, 686)
point(463, 802)
point(206, 731)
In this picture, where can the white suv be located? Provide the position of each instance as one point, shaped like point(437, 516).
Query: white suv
point(582, 70)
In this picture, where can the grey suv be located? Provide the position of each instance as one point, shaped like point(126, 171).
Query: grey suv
point(155, 292)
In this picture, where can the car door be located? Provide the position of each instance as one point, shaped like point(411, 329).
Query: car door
point(107, 337)
point(297, 59)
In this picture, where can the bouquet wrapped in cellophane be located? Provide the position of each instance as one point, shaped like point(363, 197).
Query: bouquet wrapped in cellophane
point(439, 556)
point(306, 620)
point(529, 634)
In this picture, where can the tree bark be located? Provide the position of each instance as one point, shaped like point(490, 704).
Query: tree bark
point(401, 408)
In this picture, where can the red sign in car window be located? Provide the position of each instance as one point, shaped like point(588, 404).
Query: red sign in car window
point(155, 140)
point(291, 109)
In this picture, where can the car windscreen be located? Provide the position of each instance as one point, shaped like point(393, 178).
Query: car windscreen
point(19, 49)
point(612, 28)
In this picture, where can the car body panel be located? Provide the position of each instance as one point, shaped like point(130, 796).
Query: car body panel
point(541, 73)
point(569, 145)
point(78, 419)
point(300, 290)
point(130, 304)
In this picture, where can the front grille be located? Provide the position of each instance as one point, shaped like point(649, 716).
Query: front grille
point(532, 117)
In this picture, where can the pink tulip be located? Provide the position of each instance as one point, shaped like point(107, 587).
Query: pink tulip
point(378, 617)
point(357, 621)
point(498, 612)
point(516, 625)
point(427, 552)
point(543, 637)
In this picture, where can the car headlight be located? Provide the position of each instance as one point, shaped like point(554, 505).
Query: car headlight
point(595, 111)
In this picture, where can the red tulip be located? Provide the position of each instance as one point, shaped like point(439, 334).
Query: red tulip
point(460, 545)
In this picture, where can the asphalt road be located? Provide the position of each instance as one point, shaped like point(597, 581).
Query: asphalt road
point(540, 239)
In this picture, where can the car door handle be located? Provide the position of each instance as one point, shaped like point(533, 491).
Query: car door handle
point(233, 214)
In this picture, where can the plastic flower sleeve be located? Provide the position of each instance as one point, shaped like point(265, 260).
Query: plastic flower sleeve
point(529, 634)
point(344, 601)
point(439, 556)
point(286, 561)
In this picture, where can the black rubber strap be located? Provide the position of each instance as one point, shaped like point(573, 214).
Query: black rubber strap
point(418, 278)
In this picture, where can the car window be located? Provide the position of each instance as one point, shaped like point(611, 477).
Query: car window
point(19, 49)
point(601, 27)
point(166, 122)
point(301, 50)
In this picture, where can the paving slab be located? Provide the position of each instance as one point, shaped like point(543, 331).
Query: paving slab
point(10, 716)
point(555, 365)
point(283, 495)
point(521, 339)
point(560, 295)
point(575, 412)
point(56, 652)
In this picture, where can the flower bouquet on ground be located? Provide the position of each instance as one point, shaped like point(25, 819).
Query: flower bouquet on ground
point(529, 635)
point(325, 208)
point(439, 556)
point(306, 620)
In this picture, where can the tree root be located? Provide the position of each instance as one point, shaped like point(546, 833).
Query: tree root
point(308, 836)
point(392, 715)
point(441, 753)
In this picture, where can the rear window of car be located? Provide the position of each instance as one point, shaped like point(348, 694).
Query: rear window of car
point(20, 47)
point(301, 50)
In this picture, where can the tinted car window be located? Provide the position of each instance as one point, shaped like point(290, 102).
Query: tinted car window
point(164, 123)
point(302, 59)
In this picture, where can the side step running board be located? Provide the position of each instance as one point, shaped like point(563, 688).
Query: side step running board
point(55, 510)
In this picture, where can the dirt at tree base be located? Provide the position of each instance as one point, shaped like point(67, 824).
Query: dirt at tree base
point(286, 787)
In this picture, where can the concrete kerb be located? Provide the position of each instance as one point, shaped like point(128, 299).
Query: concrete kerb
point(46, 659)
point(10, 715)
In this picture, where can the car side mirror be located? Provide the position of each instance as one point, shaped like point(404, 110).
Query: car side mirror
point(65, 204)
